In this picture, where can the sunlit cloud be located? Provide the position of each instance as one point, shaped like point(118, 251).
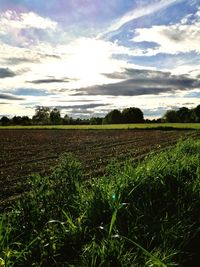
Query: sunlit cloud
point(13, 20)
point(175, 38)
point(53, 59)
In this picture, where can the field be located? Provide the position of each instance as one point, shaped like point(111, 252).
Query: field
point(143, 213)
point(195, 126)
point(23, 152)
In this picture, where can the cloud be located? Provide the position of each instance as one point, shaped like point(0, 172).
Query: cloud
point(143, 82)
point(6, 73)
point(85, 110)
point(81, 106)
point(138, 13)
point(33, 55)
point(172, 39)
point(52, 80)
point(20, 60)
point(12, 19)
point(137, 73)
point(77, 100)
point(30, 92)
point(10, 97)
point(23, 29)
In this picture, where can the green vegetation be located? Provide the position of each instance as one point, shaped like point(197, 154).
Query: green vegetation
point(183, 115)
point(52, 116)
point(164, 126)
point(144, 214)
point(128, 115)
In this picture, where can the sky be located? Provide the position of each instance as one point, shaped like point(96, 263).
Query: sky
point(88, 57)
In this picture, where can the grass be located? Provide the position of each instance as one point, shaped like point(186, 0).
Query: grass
point(111, 126)
point(144, 214)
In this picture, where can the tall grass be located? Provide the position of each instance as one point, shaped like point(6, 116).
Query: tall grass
point(135, 215)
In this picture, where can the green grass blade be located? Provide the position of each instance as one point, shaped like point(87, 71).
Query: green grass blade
point(146, 252)
point(113, 219)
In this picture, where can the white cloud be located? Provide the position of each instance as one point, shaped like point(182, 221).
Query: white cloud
point(176, 38)
point(83, 60)
point(23, 29)
point(138, 13)
point(13, 20)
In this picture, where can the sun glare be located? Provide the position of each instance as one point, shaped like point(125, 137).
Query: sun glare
point(84, 61)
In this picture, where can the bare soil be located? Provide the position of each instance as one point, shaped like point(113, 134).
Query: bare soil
point(23, 152)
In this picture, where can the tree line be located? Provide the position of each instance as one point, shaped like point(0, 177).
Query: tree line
point(52, 116)
point(183, 115)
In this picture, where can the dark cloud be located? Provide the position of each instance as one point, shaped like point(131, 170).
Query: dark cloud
point(50, 56)
point(81, 107)
point(20, 60)
point(51, 80)
point(115, 75)
point(10, 97)
point(173, 35)
point(76, 100)
point(137, 74)
point(188, 104)
point(5, 73)
point(142, 82)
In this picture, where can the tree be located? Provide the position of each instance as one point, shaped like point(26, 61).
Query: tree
point(17, 120)
point(67, 120)
point(170, 116)
point(132, 115)
point(55, 117)
point(5, 121)
point(183, 115)
point(25, 120)
point(113, 117)
point(42, 115)
point(96, 121)
point(195, 114)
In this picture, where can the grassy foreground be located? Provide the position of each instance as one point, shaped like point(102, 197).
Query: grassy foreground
point(111, 126)
point(136, 215)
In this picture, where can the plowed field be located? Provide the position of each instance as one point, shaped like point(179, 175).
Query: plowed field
point(23, 152)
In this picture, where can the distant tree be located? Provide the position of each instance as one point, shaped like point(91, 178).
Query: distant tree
point(195, 114)
point(183, 115)
point(5, 121)
point(170, 116)
point(80, 121)
point(42, 115)
point(55, 117)
point(96, 121)
point(67, 120)
point(25, 120)
point(132, 115)
point(17, 120)
point(113, 117)
point(159, 120)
